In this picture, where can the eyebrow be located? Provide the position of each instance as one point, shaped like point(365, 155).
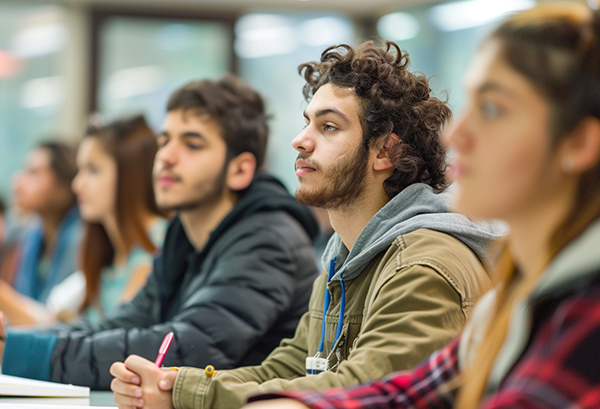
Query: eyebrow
point(328, 111)
point(189, 134)
point(494, 87)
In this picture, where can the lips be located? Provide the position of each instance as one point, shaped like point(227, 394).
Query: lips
point(166, 180)
point(302, 168)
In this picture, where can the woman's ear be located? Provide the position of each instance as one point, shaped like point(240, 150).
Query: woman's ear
point(240, 171)
point(382, 159)
point(581, 151)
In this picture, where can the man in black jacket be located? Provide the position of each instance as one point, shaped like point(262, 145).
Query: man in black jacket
point(237, 266)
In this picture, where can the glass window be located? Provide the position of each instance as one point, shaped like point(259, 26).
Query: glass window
point(442, 39)
point(143, 60)
point(33, 39)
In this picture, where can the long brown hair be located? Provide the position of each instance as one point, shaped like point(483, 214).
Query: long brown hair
point(557, 48)
point(132, 144)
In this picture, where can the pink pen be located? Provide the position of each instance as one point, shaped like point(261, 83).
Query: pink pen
point(164, 347)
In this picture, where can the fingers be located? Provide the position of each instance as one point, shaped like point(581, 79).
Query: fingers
point(121, 372)
point(139, 365)
point(2, 326)
point(125, 389)
point(127, 402)
point(166, 383)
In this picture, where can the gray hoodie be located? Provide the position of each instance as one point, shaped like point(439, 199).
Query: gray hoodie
point(416, 207)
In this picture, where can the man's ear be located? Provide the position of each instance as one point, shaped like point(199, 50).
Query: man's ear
point(581, 151)
point(382, 160)
point(240, 171)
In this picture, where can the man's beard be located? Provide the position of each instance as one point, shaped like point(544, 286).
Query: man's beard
point(211, 192)
point(341, 183)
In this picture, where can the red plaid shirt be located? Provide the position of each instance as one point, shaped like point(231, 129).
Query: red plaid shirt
point(560, 368)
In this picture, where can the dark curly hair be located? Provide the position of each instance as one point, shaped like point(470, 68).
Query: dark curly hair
point(392, 100)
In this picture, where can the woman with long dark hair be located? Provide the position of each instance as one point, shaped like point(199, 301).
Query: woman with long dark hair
point(124, 227)
point(528, 152)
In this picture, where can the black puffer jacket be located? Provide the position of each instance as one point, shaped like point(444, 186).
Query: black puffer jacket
point(228, 305)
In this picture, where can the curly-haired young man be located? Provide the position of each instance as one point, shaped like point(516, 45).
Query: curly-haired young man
point(400, 271)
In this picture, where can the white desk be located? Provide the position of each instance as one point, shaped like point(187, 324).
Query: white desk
point(97, 398)
point(102, 398)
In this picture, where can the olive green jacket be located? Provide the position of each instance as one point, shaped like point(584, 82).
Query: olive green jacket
point(411, 300)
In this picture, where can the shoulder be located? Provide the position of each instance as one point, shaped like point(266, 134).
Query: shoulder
point(562, 353)
point(268, 226)
point(425, 245)
point(444, 255)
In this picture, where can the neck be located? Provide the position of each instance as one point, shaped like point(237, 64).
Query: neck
point(116, 239)
point(349, 220)
point(121, 250)
point(531, 231)
point(51, 219)
point(199, 222)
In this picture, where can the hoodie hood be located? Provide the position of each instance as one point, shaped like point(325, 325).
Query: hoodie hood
point(265, 193)
point(578, 262)
point(416, 207)
point(575, 266)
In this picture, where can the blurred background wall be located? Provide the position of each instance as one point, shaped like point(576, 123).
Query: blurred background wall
point(62, 60)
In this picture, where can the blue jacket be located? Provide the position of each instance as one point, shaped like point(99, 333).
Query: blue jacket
point(63, 257)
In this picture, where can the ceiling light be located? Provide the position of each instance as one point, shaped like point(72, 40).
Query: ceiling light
point(467, 14)
point(398, 26)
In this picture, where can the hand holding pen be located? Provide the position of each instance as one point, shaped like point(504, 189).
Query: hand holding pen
point(136, 382)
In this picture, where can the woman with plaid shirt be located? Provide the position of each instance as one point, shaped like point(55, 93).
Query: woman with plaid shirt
point(528, 152)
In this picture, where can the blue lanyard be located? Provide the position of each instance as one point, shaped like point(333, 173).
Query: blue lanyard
point(326, 302)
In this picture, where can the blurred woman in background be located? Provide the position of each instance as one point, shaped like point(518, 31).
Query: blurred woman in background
point(528, 152)
point(48, 247)
point(124, 227)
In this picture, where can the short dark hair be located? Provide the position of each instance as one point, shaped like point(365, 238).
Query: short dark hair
point(391, 100)
point(238, 108)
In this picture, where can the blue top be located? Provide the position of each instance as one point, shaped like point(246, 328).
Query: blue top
point(114, 279)
point(36, 276)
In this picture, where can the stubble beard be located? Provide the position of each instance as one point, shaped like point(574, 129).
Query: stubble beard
point(342, 183)
point(207, 195)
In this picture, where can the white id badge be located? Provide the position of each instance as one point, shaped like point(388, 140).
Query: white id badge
point(315, 365)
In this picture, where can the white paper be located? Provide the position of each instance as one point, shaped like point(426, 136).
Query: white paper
point(34, 406)
point(15, 386)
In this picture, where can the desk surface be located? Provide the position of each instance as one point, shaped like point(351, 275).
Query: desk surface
point(102, 398)
point(97, 398)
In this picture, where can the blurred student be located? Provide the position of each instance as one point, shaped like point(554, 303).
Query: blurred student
point(237, 264)
point(123, 226)
point(403, 271)
point(528, 149)
point(48, 248)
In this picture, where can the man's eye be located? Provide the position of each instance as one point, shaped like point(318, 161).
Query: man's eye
point(329, 128)
point(490, 110)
